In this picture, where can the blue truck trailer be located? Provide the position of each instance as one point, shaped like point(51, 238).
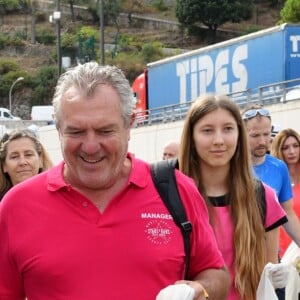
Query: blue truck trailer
point(236, 65)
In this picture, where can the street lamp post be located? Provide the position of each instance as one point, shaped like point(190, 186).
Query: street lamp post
point(101, 18)
point(10, 90)
point(56, 16)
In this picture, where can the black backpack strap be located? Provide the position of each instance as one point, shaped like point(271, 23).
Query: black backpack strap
point(163, 175)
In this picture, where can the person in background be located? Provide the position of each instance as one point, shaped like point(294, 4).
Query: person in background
point(214, 152)
point(270, 169)
point(21, 156)
point(286, 146)
point(100, 229)
point(170, 150)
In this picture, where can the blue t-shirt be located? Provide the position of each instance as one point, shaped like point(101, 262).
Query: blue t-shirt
point(274, 172)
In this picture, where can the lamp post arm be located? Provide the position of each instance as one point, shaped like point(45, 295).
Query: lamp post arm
point(10, 90)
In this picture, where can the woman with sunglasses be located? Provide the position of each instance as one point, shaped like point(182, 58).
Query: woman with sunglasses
point(286, 146)
point(21, 157)
point(214, 152)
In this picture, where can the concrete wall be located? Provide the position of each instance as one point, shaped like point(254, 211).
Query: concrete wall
point(9, 125)
point(147, 142)
point(49, 138)
point(49, 7)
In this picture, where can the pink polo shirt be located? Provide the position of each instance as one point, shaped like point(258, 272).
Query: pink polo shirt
point(55, 243)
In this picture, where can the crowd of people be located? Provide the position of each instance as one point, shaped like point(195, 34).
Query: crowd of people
point(95, 227)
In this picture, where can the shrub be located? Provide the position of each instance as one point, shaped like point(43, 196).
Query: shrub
point(69, 44)
point(43, 92)
point(3, 41)
point(7, 80)
point(40, 17)
point(152, 52)
point(252, 28)
point(132, 65)
point(11, 5)
point(21, 35)
point(87, 32)
point(45, 36)
point(160, 5)
point(8, 65)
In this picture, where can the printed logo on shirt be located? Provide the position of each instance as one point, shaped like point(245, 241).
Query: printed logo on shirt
point(157, 229)
point(156, 216)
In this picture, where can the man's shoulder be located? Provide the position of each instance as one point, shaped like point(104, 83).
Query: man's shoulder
point(275, 161)
point(25, 193)
point(141, 170)
point(39, 183)
point(184, 179)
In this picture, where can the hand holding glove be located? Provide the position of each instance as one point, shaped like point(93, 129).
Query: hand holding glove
point(278, 274)
point(176, 292)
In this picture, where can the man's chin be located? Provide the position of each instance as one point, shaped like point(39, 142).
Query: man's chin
point(260, 153)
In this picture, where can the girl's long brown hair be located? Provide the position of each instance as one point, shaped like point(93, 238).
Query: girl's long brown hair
point(249, 234)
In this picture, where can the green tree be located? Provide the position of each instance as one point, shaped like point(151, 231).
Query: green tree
point(43, 93)
point(151, 51)
point(33, 5)
point(10, 70)
point(67, 2)
point(10, 5)
point(71, 3)
point(290, 13)
point(111, 10)
point(212, 13)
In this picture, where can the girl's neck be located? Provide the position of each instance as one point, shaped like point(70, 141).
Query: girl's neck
point(215, 181)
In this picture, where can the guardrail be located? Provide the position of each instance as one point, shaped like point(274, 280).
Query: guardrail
point(7, 125)
point(279, 92)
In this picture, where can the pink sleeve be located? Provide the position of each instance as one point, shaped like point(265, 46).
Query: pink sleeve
point(274, 211)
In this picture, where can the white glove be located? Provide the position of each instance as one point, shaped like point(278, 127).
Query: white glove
point(176, 292)
point(278, 274)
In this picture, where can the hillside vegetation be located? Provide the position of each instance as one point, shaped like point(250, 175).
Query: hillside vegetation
point(33, 56)
point(135, 45)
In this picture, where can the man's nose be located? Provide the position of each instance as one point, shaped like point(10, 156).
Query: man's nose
point(91, 144)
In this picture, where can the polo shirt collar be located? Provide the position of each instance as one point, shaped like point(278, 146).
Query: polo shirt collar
point(138, 175)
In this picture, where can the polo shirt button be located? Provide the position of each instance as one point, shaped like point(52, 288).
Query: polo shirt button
point(85, 204)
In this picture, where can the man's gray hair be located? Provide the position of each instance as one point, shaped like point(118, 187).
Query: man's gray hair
point(87, 77)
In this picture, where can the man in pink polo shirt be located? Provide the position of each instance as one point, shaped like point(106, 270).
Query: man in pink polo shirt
point(94, 226)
